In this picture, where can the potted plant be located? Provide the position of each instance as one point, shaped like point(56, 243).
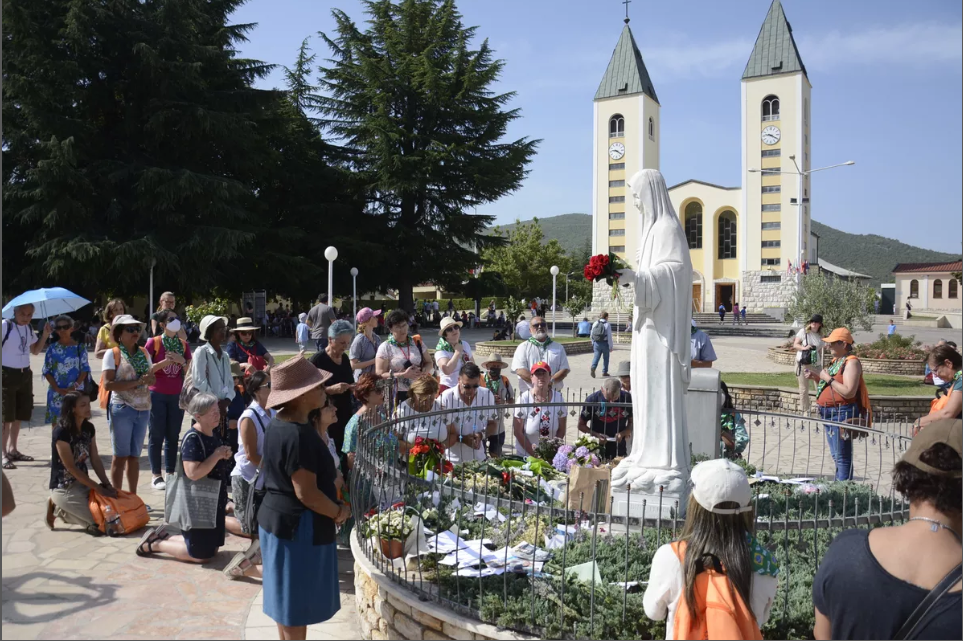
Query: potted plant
point(391, 528)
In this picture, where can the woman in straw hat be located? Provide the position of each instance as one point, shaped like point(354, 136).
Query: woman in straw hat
point(451, 353)
point(247, 349)
point(841, 395)
point(501, 388)
point(299, 513)
point(900, 565)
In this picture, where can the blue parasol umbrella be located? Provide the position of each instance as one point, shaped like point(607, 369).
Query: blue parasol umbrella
point(48, 301)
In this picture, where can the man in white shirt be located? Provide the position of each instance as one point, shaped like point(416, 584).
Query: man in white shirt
point(474, 415)
point(539, 347)
point(19, 343)
point(522, 331)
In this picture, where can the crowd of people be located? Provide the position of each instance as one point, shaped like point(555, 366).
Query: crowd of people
point(276, 446)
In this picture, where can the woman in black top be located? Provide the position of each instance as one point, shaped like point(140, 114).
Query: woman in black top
point(299, 512)
point(74, 443)
point(334, 359)
point(870, 582)
point(203, 454)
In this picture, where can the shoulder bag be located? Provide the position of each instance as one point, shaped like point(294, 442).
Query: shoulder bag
point(255, 496)
point(88, 387)
point(191, 505)
point(926, 605)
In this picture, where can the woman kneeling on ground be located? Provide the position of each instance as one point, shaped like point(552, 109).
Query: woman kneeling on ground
point(75, 443)
point(203, 455)
point(716, 546)
point(871, 581)
point(300, 510)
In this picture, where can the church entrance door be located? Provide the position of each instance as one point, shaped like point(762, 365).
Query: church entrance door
point(724, 294)
point(697, 297)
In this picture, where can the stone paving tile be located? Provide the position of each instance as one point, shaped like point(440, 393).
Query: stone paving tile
point(66, 584)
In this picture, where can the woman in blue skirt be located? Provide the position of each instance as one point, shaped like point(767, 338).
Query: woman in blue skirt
point(299, 512)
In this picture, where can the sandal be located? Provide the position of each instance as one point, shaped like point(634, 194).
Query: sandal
point(8, 464)
point(244, 561)
point(49, 519)
point(151, 537)
point(19, 456)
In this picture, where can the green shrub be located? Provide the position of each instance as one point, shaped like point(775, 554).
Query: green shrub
point(896, 347)
point(216, 307)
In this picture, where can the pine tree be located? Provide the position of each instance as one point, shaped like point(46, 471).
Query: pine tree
point(137, 140)
point(423, 130)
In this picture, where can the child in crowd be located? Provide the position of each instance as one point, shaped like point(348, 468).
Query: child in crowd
point(734, 437)
point(303, 333)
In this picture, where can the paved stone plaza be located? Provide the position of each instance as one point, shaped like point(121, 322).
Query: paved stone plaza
point(66, 584)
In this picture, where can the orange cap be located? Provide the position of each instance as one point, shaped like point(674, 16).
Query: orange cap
point(840, 334)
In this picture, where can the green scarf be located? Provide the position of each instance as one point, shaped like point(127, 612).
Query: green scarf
point(444, 346)
point(137, 360)
point(172, 345)
point(493, 385)
point(392, 341)
point(763, 562)
point(247, 345)
point(540, 345)
point(834, 368)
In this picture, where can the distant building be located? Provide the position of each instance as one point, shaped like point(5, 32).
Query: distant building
point(841, 272)
point(928, 286)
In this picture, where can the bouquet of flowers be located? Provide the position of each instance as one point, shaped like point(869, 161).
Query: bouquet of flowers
point(547, 447)
point(427, 455)
point(604, 267)
point(389, 525)
point(583, 454)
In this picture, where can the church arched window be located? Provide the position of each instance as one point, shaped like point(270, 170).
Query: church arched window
point(617, 126)
point(727, 235)
point(937, 288)
point(693, 225)
point(952, 289)
point(770, 108)
point(651, 129)
point(914, 288)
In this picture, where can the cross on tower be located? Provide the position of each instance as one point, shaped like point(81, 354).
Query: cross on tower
point(626, 3)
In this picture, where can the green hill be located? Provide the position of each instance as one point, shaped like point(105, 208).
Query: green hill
point(871, 254)
point(865, 253)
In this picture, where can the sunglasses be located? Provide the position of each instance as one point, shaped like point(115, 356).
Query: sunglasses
point(132, 329)
point(468, 387)
point(539, 325)
point(63, 328)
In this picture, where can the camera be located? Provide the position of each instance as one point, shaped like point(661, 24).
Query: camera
point(407, 364)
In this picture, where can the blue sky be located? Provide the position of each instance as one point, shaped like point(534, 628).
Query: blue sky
point(886, 79)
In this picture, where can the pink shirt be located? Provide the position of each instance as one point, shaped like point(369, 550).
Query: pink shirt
point(170, 380)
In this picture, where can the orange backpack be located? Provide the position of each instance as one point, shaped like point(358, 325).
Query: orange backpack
point(720, 611)
point(130, 507)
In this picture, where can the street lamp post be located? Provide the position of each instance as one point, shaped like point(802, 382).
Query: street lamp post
point(354, 294)
point(554, 271)
point(331, 253)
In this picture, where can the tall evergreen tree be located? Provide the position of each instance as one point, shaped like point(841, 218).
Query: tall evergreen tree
point(412, 102)
point(139, 136)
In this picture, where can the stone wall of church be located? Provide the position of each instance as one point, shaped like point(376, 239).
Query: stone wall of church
point(758, 296)
point(602, 300)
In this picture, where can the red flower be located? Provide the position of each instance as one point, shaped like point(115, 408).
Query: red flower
point(446, 467)
point(505, 478)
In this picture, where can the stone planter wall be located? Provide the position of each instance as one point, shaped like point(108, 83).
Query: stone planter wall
point(484, 349)
point(781, 399)
point(388, 611)
point(870, 365)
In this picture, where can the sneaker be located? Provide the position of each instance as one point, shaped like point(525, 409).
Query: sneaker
point(158, 483)
point(592, 372)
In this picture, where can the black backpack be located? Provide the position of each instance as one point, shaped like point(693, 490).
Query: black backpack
point(598, 331)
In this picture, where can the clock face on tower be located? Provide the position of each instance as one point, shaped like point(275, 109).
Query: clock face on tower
point(616, 151)
point(771, 135)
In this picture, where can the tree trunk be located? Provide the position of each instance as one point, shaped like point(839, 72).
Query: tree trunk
point(406, 296)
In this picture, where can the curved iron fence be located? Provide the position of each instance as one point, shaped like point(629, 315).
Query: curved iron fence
point(797, 511)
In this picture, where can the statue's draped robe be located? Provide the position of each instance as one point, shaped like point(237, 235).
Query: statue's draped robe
point(660, 345)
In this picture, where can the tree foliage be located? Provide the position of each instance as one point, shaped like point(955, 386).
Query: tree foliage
point(412, 102)
point(524, 260)
point(842, 303)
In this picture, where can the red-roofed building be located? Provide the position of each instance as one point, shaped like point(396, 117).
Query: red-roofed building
point(928, 286)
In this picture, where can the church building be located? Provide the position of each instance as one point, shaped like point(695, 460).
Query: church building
point(743, 240)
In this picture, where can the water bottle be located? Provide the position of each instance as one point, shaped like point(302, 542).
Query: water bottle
point(112, 523)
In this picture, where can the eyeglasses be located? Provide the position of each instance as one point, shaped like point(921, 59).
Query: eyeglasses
point(539, 325)
point(468, 387)
point(62, 328)
point(132, 329)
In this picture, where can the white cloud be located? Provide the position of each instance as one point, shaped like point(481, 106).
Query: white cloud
point(912, 44)
point(692, 59)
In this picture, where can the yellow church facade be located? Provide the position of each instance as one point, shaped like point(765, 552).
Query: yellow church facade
point(742, 239)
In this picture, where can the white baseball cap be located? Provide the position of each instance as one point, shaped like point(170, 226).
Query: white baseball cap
point(721, 481)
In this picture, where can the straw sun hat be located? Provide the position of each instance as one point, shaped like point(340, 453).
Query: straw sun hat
point(292, 379)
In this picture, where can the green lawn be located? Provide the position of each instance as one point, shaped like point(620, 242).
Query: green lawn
point(878, 384)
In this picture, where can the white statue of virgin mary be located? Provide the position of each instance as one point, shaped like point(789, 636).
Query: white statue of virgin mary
point(661, 353)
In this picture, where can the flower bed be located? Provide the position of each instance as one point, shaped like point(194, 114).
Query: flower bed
point(902, 367)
